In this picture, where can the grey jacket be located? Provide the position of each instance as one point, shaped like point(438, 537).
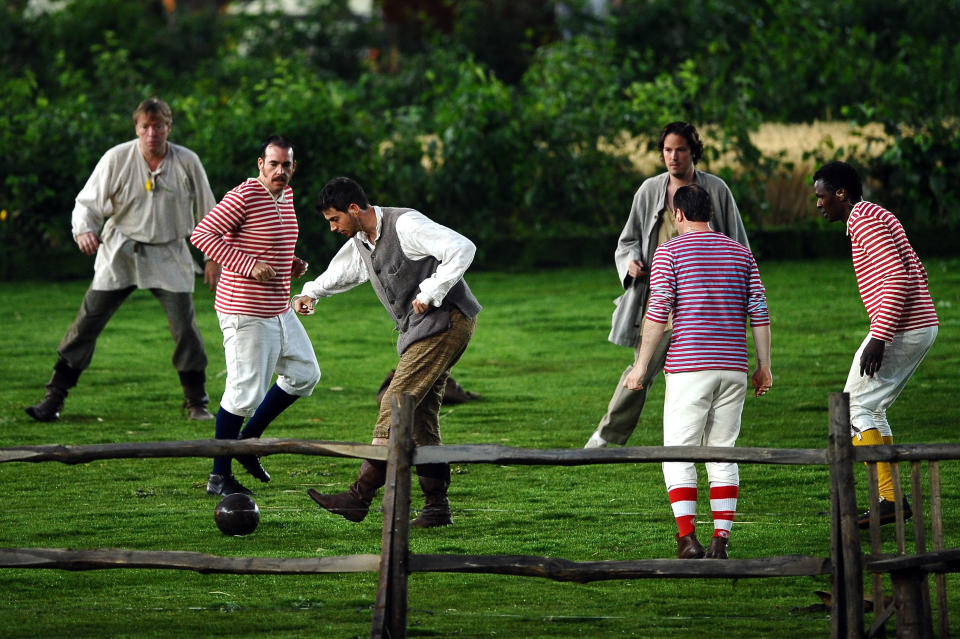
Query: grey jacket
point(638, 241)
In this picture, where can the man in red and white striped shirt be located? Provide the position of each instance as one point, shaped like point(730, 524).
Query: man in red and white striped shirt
point(903, 320)
point(252, 234)
point(710, 285)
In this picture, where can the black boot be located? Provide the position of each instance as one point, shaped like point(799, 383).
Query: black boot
point(355, 502)
point(63, 379)
point(195, 393)
point(434, 481)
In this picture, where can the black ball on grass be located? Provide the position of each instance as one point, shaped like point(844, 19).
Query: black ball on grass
point(237, 514)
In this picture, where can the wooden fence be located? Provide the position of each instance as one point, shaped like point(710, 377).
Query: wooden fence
point(846, 563)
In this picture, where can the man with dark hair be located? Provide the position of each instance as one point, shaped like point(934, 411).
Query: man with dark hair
point(709, 285)
point(416, 267)
point(135, 214)
point(650, 224)
point(253, 232)
point(903, 319)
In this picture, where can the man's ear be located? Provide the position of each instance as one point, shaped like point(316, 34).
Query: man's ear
point(679, 216)
point(841, 194)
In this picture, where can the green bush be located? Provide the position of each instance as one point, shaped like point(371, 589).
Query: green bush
point(501, 132)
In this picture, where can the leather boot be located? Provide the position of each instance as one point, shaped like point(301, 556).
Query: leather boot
point(194, 385)
point(718, 548)
point(355, 502)
point(434, 481)
point(688, 547)
point(63, 379)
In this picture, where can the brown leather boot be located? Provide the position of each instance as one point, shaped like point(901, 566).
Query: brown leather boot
point(718, 548)
point(688, 547)
point(63, 379)
point(355, 502)
point(195, 401)
point(434, 481)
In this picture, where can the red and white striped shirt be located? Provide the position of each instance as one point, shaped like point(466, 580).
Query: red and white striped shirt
point(711, 284)
point(246, 227)
point(891, 278)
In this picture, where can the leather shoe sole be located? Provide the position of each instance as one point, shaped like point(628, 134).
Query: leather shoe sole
point(251, 463)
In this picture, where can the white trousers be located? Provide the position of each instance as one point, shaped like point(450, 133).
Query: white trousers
point(702, 408)
point(257, 347)
point(871, 396)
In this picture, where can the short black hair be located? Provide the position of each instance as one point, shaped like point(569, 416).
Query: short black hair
point(277, 141)
point(694, 201)
point(339, 193)
point(840, 175)
point(687, 131)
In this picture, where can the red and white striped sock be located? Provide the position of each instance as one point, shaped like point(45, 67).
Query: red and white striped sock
point(683, 500)
point(723, 503)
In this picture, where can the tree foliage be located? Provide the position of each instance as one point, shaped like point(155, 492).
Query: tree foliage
point(503, 125)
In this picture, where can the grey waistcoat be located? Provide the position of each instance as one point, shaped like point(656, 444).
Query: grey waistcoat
point(396, 280)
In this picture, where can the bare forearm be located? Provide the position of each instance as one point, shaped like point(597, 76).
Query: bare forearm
point(761, 344)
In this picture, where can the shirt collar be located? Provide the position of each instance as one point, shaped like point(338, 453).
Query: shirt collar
point(852, 212)
point(363, 236)
point(279, 199)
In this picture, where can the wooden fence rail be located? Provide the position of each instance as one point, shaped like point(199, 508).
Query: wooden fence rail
point(395, 563)
point(103, 558)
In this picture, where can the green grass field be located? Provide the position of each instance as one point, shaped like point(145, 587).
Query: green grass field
point(541, 361)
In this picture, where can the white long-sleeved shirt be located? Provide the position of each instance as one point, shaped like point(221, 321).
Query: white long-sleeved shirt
point(420, 237)
point(146, 217)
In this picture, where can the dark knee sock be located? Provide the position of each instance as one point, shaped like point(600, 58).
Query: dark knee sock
point(274, 402)
point(227, 427)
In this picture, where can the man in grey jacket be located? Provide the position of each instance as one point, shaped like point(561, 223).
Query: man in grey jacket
point(646, 228)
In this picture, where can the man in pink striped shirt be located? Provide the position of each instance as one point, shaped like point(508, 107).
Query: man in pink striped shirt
point(252, 234)
point(710, 285)
point(903, 320)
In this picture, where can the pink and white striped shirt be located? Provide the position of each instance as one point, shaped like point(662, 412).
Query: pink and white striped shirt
point(246, 227)
point(891, 278)
point(711, 284)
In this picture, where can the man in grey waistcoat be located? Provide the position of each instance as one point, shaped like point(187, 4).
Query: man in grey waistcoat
point(649, 225)
point(416, 267)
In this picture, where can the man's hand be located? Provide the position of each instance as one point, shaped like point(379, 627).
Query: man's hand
point(419, 307)
point(872, 357)
point(303, 305)
point(88, 242)
point(298, 268)
point(211, 274)
point(762, 380)
point(635, 269)
point(262, 272)
point(635, 377)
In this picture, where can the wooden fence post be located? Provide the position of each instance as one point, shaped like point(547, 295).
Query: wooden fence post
point(847, 601)
point(390, 609)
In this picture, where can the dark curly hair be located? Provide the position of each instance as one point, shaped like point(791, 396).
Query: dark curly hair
point(840, 175)
point(339, 193)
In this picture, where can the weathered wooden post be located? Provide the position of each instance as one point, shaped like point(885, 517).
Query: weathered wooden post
point(847, 601)
point(936, 524)
point(390, 609)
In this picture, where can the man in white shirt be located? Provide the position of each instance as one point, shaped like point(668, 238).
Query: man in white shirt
point(416, 267)
point(135, 214)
